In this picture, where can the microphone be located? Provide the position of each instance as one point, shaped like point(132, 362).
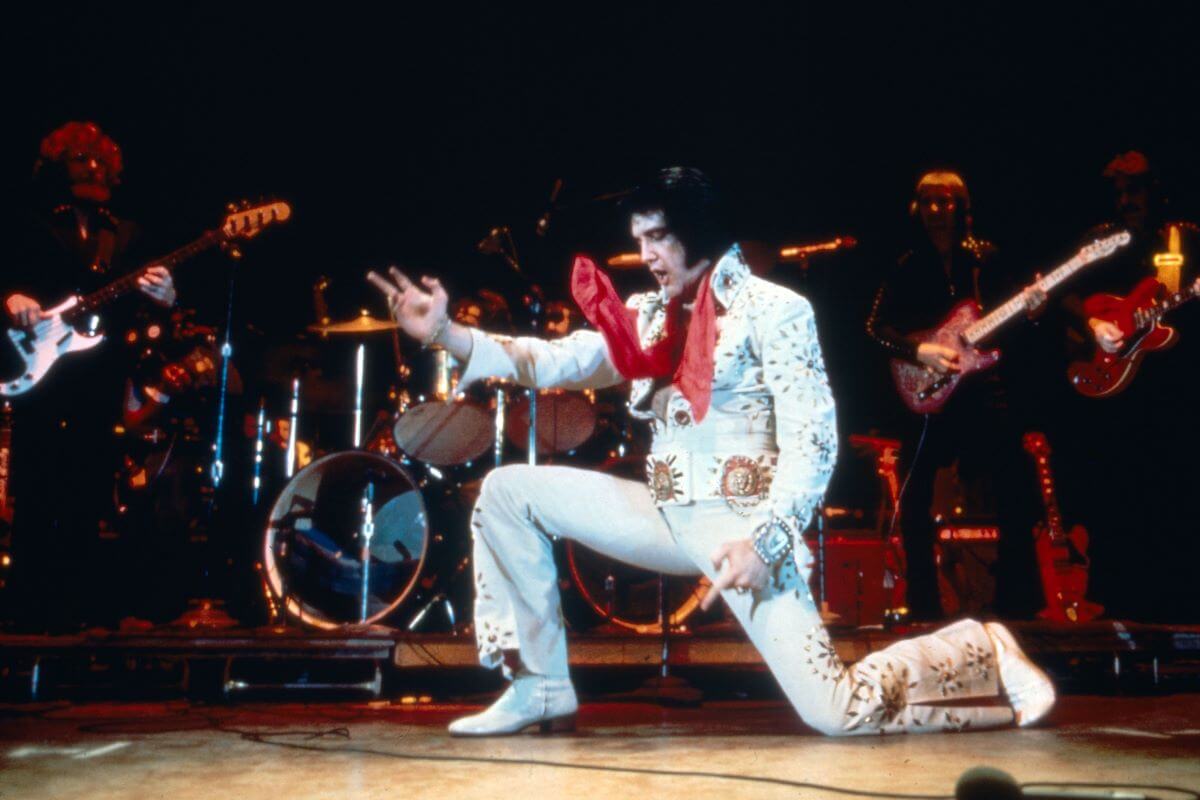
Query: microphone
point(543, 223)
point(800, 252)
point(989, 783)
point(491, 244)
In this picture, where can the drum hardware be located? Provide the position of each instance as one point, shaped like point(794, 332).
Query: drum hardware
point(531, 440)
point(368, 531)
point(441, 597)
point(290, 460)
point(360, 366)
point(499, 241)
point(565, 421)
point(501, 416)
point(445, 376)
point(217, 470)
point(260, 430)
point(363, 323)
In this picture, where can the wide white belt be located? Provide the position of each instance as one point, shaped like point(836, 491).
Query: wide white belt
point(741, 478)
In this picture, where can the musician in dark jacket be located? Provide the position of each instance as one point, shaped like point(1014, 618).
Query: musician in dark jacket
point(64, 456)
point(1135, 451)
point(976, 429)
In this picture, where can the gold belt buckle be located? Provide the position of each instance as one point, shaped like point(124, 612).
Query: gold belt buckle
point(666, 480)
point(744, 482)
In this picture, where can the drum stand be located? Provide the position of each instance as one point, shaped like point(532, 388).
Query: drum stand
point(827, 616)
point(444, 599)
point(664, 688)
point(368, 530)
point(208, 612)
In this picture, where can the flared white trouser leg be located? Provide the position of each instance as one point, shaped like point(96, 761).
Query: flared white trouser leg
point(915, 685)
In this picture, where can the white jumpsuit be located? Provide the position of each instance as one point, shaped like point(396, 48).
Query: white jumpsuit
point(767, 445)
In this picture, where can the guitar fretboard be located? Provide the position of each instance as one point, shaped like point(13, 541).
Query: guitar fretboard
point(1101, 248)
point(989, 324)
point(128, 283)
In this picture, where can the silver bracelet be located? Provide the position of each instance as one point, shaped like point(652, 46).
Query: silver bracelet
point(761, 544)
point(438, 332)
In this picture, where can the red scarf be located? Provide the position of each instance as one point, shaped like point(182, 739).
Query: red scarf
point(685, 354)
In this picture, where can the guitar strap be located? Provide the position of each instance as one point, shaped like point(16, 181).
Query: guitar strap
point(106, 248)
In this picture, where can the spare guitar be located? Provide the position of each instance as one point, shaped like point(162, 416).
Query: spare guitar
point(1062, 557)
point(964, 330)
point(6, 500)
point(1139, 316)
point(64, 330)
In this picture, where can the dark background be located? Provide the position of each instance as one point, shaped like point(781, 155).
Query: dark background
point(402, 136)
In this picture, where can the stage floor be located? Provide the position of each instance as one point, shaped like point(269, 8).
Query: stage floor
point(392, 750)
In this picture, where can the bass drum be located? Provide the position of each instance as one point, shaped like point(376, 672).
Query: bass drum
point(617, 594)
point(312, 553)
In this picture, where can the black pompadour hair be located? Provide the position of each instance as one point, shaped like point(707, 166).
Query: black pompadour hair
point(692, 206)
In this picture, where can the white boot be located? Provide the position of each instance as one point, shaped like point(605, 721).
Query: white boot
point(1029, 690)
point(528, 700)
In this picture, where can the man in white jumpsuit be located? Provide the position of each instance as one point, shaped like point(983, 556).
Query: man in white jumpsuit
point(731, 490)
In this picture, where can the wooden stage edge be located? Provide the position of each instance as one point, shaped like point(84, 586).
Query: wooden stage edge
point(724, 647)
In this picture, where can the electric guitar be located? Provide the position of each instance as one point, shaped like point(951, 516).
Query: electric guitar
point(66, 330)
point(964, 330)
point(1139, 316)
point(1062, 557)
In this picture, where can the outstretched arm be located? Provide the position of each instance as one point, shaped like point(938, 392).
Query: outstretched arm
point(579, 361)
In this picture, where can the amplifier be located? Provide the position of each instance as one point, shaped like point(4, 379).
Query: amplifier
point(966, 568)
point(854, 578)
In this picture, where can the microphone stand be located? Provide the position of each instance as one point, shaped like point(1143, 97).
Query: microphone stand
point(534, 301)
point(207, 611)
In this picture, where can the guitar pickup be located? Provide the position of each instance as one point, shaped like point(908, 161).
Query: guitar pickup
point(26, 343)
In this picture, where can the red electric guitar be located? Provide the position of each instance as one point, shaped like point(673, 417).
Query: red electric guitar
point(964, 330)
point(1062, 557)
point(1139, 316)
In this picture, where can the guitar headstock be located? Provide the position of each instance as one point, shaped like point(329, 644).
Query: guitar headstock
point(1102, 248)
point(246, 221)
point(1035, 444)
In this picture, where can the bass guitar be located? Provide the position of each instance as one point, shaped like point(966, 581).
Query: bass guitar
point(1139, 316)
point(1062, 556)
point(66, 330)
point(925, 391)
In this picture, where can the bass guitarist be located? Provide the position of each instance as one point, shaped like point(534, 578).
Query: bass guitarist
point(63, 448)
point(946, 265)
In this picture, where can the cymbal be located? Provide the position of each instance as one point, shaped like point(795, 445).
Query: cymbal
point(363, 323)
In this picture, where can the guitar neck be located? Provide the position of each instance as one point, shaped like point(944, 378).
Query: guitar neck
point(128, 283)
point(1049, 498)
point(998, 317)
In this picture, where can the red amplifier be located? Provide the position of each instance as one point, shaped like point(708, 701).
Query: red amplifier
point(855, 578)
